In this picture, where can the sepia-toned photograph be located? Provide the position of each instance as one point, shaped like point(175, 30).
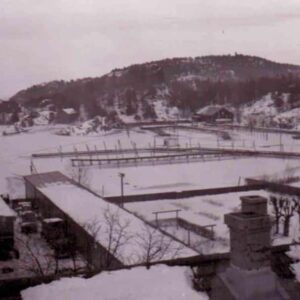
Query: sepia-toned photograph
point(149, 150)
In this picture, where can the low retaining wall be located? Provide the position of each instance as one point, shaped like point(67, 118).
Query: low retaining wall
point(204, 231)
point(184, 194)
point(274, 187)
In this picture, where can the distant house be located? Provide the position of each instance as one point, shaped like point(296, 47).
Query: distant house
point(212, 113)
point(66, 115)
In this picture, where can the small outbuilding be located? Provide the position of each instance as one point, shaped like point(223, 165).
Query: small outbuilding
point(213, 113)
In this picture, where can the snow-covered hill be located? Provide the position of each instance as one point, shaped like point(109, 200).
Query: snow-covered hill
point(272, 110)
point(154, 89)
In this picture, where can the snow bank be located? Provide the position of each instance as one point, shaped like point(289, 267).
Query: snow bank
point(159, 283)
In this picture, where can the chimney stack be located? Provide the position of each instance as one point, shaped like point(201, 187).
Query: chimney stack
point(249, 275)
point(250, 238)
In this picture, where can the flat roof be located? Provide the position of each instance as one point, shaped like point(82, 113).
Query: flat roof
point(43, 179)
point(86, 209)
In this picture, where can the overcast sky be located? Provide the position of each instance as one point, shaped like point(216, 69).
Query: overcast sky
point(43, 40)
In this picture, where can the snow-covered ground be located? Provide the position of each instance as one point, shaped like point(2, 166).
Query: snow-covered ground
point(178, 177)
point(240, 139)
point(16, 150)
point(203, 211)
point(15, 160)
point(159, 282)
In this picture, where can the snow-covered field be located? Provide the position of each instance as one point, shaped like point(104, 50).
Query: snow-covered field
point(240, 139)
point(160, 282)
point(16, 150)
point(15, 160)
point(178, 177)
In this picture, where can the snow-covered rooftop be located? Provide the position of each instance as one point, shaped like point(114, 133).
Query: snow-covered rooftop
point(86, 208)
point(5, 210)
point(160, 282)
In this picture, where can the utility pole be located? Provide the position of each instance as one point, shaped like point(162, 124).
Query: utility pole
point(280, 137)
point(31, 167)
point(122, 175)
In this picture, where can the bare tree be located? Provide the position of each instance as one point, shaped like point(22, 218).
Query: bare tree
point(36, 259)
point(156, 245)
point(284, 208)
point(298, 207)
point(114, 235)
point(93, 227)
point(276, 205)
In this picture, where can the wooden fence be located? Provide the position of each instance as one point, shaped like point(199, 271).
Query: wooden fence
point(150, 160)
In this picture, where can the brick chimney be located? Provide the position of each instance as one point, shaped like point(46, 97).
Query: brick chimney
point(250, 239)
point(249, 275)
